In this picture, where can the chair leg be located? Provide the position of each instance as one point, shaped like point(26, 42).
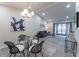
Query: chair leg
point(35, 55)
point(23, 53)
point(14, 55)
point(20, 53)
point(28, 54)
point(10, 55)
point(41, 53)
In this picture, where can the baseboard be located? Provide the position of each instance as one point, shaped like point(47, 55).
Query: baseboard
point(3, 47)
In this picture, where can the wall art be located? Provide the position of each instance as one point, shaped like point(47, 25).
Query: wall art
point(17, 25)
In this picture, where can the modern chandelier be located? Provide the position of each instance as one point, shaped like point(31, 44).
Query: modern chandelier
point(27, 12)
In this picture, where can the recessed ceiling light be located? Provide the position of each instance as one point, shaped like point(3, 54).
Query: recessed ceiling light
point(43, 14)
point(67, 6)
point(67, 17)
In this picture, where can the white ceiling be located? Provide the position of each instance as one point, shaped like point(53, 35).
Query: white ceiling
point(54, 10)
point(59, 11)
point(21, 5)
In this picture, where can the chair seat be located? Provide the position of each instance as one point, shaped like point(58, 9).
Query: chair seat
point(34, 41)
point(36, 48)
point(20, 47)
point(31, 47)
point(14, 50)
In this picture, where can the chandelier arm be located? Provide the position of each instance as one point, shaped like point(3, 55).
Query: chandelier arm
point(28, 13)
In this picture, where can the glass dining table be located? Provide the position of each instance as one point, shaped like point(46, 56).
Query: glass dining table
point(27, 44)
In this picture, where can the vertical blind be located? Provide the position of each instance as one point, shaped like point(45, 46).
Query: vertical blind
point(63, 28)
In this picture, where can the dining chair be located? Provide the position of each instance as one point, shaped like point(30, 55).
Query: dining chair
point(13, 49)
point(34, 41)
point(22, 37)
point(37, 48)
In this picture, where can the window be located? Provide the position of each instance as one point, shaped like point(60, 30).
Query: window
point(62, 28)
point(59, 28)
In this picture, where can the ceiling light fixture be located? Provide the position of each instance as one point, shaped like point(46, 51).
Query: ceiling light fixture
point(28, 12)
point(43, 14)
point(67, 6)
point(67, 17)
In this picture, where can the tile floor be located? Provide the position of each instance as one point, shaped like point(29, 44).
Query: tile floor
point(53, 47)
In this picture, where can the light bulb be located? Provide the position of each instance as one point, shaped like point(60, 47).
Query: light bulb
point(29, 15)
point(32, 13)
point(22, 13)
point(26, 11)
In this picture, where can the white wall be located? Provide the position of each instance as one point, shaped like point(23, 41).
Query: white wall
point(32, 26)
point(50, 27)
point(77, 6)
point(76, 34)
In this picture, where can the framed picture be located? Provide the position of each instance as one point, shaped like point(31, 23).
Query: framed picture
point(17, 25)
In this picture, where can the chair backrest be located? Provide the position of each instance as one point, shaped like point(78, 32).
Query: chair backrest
point(37, 48)
point(9, 44)
point(21, 37)
point(34, 41)
point(13, 49)
point(41, 43)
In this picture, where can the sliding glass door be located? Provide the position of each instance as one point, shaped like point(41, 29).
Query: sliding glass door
point(59, 29)
point(62, 28)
